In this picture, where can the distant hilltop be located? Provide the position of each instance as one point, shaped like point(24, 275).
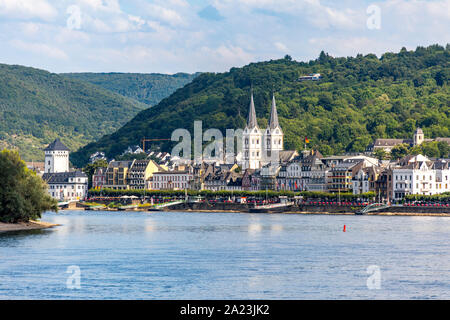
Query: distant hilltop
point(37, 106)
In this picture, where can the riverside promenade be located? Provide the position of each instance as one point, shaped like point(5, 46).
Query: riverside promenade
point(315, 208)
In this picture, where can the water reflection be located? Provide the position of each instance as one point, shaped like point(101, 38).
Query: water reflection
point(254, 228)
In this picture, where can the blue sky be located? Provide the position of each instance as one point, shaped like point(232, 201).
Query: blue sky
point(171, 36)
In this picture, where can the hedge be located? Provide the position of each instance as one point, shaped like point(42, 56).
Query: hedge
point(225, 193)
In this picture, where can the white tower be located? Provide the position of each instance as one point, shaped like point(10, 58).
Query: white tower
point(273, 136)
point(419, 137)
point(252, 140)
point(56, 157)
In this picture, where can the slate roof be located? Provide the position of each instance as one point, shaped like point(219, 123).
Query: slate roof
point(62, 177)
point(56, 145)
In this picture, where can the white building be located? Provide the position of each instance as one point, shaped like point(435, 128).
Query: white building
point(63, 185)
point(419, 175)
point(361, 181)
point(260, 147)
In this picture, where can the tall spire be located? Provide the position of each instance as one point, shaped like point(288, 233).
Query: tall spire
point(273, 122)
point(251, 122)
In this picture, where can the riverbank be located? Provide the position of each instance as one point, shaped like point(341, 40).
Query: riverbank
point(23, 226)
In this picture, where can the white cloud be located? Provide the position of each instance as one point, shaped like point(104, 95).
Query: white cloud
point(111, 6)
point(40, 49)
point(281, 46)
point(313, 11)
point(225, 57)
point(163, 14)
point(169, 36)
point(26, 9)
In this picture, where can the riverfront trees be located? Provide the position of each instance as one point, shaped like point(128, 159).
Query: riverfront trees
point(23, 195)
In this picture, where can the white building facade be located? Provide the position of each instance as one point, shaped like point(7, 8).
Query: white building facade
point(421, 176)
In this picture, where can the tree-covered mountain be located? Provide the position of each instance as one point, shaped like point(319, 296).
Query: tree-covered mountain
point(357, 100)
point(149, 88)
point(37, 106)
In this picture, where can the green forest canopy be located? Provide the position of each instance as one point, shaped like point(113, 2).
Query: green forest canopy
point(37, 106)
point(358, 100)
point(148, 88)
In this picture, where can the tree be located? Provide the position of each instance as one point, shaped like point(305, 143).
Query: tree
point(380, 154)
point(444, 149)
point(399, 151)
point(91, 167)
point(441, 78)
point(23, 195)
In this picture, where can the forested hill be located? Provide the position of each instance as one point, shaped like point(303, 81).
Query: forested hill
point(359, 99)
point(37, 106)
point(149, 88)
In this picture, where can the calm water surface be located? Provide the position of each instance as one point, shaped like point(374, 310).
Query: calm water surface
point(179, 255)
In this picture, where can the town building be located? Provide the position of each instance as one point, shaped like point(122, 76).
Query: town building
point(99, 178)
point(417, 139)
point(37, 167)
point(96, 156)
point(63, 184)
point(172, 180)
point(117, 175)
point(341, 176)
point(419, 175)
point(141, 173)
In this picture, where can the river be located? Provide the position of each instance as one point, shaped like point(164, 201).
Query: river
point(188, 255)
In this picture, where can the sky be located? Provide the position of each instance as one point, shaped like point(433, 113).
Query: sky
point(169, 36)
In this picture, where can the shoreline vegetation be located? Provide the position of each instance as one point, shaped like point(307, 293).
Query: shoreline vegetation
point(23, 195)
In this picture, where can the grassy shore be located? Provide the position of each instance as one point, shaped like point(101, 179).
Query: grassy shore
point(22, 226)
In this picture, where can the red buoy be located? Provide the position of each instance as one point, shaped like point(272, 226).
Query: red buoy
point(344, 228)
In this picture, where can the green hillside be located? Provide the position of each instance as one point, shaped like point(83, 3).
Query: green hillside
point(37, 106)
point(147, 88)
point(359, 99)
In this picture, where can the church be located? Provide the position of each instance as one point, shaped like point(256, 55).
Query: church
point(63, 184)
point(260, 147)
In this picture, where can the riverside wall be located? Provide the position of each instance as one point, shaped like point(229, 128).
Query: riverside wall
point(238, 207)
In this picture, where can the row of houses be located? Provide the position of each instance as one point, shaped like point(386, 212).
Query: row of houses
point(308, 171)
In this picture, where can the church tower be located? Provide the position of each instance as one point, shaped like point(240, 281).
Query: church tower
point(252, 140)
point(273, 136)
point(419, 137)
point(56, 157)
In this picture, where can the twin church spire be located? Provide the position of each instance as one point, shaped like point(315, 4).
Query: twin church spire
point(273, 120)
point(258, 144)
